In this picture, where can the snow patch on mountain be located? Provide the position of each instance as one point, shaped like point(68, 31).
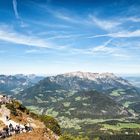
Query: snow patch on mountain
point(99, 78)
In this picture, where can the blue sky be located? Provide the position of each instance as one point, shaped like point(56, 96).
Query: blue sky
point(57, 36)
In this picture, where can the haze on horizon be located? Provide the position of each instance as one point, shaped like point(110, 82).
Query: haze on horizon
point(58, 36)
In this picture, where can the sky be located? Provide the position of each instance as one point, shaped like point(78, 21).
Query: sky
point(58, 36)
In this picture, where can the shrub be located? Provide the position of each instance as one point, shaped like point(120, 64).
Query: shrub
point(51, 123)
point(12, 109)
point(70, 137)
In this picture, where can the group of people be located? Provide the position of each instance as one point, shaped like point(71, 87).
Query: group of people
point(11, 130)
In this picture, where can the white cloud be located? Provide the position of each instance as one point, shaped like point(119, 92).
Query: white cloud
point(121, 55)
point(20, 21)
point(106, 49)
point(66, 36)
point(64, 17)
point(15, 8)
point(31, 51)
point(17, 38)
point(122, 34)
point(96, 36)
point(133, 19)
point(107, 25)
point(103, 48)
point(126, 34)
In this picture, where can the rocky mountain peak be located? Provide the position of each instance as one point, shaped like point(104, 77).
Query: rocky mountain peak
point(89, 75)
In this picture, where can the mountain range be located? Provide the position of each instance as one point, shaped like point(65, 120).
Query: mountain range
point(12, 84)
point(107, 83)
point(76, 99)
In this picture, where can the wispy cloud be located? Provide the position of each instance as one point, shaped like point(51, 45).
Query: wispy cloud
point(107, 49)
point(18, 38)
point(21, 23)
point(121, 34)
point(120, 55)
point(66, 36)
point(107, 25)
point(101, 49)
point(60, 14)
point(100, 35)
point(133, 19)
point(31, 51)
point(126, 34)
point(45, 23)
point(15, 9)
point(66, 17)
point(104, 48)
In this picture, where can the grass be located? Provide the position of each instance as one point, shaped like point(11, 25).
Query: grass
point(66, 122)
point(127, 103)
point(122, 92)
point(34, 109)
point(54, 113)
point(39, 100)
point(66, 104)
point(120, 126)
point(69, 123)
point(85, 104)
point(51, 112)
point(53, 99)
point(78, 98)
point(85, 98)
point(67, 112)
point(72, 108)
point(117, 92)
point(70, 93)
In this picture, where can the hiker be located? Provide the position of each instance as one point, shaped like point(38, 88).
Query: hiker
point(16, 129)
point(11, 127)
point(26, 128)
point(30, 128)
point(6, 129)
point(3, 134)
point(22, 129)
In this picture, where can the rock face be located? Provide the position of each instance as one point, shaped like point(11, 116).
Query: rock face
point(87, 80)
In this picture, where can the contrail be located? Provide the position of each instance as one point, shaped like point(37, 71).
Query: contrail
point(15, 8)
